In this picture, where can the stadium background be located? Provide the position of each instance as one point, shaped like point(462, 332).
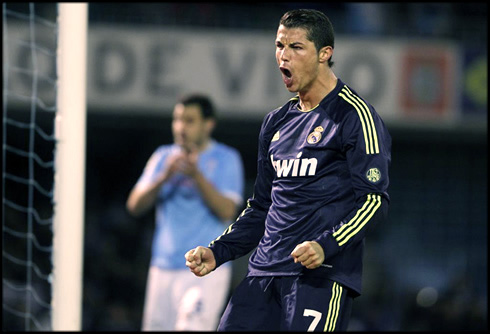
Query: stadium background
point(426, 269)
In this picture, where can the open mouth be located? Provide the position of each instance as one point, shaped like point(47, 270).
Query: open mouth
point(286, 72)
point(286, 76)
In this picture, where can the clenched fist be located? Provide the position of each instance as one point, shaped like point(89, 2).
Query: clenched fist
point(309, 253)
point(200, 261)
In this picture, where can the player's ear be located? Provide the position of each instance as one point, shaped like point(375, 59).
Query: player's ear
point(325, 54)
point(210, 125)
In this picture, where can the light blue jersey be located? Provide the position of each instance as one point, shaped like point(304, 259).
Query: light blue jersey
point(183, 220)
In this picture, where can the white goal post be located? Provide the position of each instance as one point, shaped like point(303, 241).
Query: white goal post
point(69, 188)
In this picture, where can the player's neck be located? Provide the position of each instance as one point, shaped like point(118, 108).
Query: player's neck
point(204, 145)
point(310, 98)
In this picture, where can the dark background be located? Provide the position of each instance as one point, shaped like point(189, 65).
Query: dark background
point(438, 191)
point(425, 269)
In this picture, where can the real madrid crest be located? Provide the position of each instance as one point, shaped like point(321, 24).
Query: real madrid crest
point(373, 175)
point(315, 136)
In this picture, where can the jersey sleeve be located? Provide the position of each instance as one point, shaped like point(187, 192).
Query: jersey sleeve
point(153, 166)
point(367, 146)
point(244, 234)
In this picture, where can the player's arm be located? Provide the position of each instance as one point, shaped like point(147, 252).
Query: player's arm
point(369, 212)
point(223, 207)
point(220, 203)
point(237, 240)
point(142, 198)
point(368, 154)
point(245, 233)
point(143, 195)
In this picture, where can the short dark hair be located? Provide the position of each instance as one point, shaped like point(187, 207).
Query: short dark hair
point(318, 27)
point(203, 101)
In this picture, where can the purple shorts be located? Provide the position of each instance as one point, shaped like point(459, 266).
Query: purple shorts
point(287, 303)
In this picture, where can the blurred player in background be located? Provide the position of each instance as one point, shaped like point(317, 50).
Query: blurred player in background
point(196, 184)
point(322, 180)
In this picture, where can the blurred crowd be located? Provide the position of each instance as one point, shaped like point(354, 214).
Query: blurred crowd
point(465, 22)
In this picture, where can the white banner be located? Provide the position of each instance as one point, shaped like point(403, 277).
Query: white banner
point(135, 69)
point(142, 70)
